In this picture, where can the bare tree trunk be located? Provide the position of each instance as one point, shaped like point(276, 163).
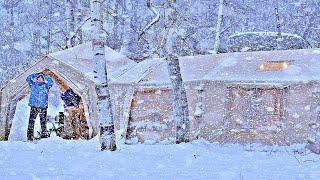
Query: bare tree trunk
point(37, 30)
point(49, 31)
point(105, 114)
point(180, 102)
point(126, 27)
point(11, 24)
point(279, 36)
point(11, 39)
point(168, 49)
point(276, 7)
point(79, 20)
point(70, 23)
point(218, 27)
point(116, 25)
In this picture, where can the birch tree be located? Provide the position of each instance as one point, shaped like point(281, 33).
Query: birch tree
point(79, 16)
point(118, 10)
point(180, 102)
point(49, 28)
point(279, 36)
point(70, 23)
point(11, 24)
point(37, 29)
point(126, 27)
point(218, 27)
point(105, 115)
point(276, 8)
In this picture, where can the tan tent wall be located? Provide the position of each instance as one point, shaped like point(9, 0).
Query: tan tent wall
point(151, 110)
point(215, 97)
point(150, 116)
point(153, 104)
point(195, 96)
point(297, 127)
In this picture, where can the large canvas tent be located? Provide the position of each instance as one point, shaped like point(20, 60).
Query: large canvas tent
point(69, 68)
point(269, 97)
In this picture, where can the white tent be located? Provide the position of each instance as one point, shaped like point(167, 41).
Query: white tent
point(238, 97)
point(70, 68)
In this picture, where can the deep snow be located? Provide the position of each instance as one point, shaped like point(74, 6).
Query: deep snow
point(55, 158)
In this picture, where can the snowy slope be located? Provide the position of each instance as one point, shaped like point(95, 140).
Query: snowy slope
point(55, 158)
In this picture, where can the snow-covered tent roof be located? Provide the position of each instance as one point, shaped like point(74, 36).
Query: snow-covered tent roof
point(80, 58)
point(241, 67)
point(299, 66)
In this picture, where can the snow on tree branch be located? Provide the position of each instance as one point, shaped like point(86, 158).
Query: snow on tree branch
point(156, 17)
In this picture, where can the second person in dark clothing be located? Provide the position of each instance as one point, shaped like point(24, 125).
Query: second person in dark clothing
point(72, 126)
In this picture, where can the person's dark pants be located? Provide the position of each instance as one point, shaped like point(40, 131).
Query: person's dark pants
point(43, 120)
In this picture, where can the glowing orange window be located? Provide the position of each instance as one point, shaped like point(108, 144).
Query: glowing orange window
point(274, 65)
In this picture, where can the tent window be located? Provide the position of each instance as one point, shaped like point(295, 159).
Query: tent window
point(274, 104)
point(274, 65)
point(261, 106)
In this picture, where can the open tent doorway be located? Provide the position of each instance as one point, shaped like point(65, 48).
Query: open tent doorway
point(19, 112)
point(19, 126)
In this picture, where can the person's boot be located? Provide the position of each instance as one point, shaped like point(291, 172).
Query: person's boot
point(44, 134)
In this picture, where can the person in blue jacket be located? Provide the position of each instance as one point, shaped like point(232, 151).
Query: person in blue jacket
point(39, 84)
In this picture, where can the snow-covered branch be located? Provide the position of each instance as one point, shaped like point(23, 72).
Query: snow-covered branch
point(156, 17)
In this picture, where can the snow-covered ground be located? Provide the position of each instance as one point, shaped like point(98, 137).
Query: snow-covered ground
point(55, 158)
